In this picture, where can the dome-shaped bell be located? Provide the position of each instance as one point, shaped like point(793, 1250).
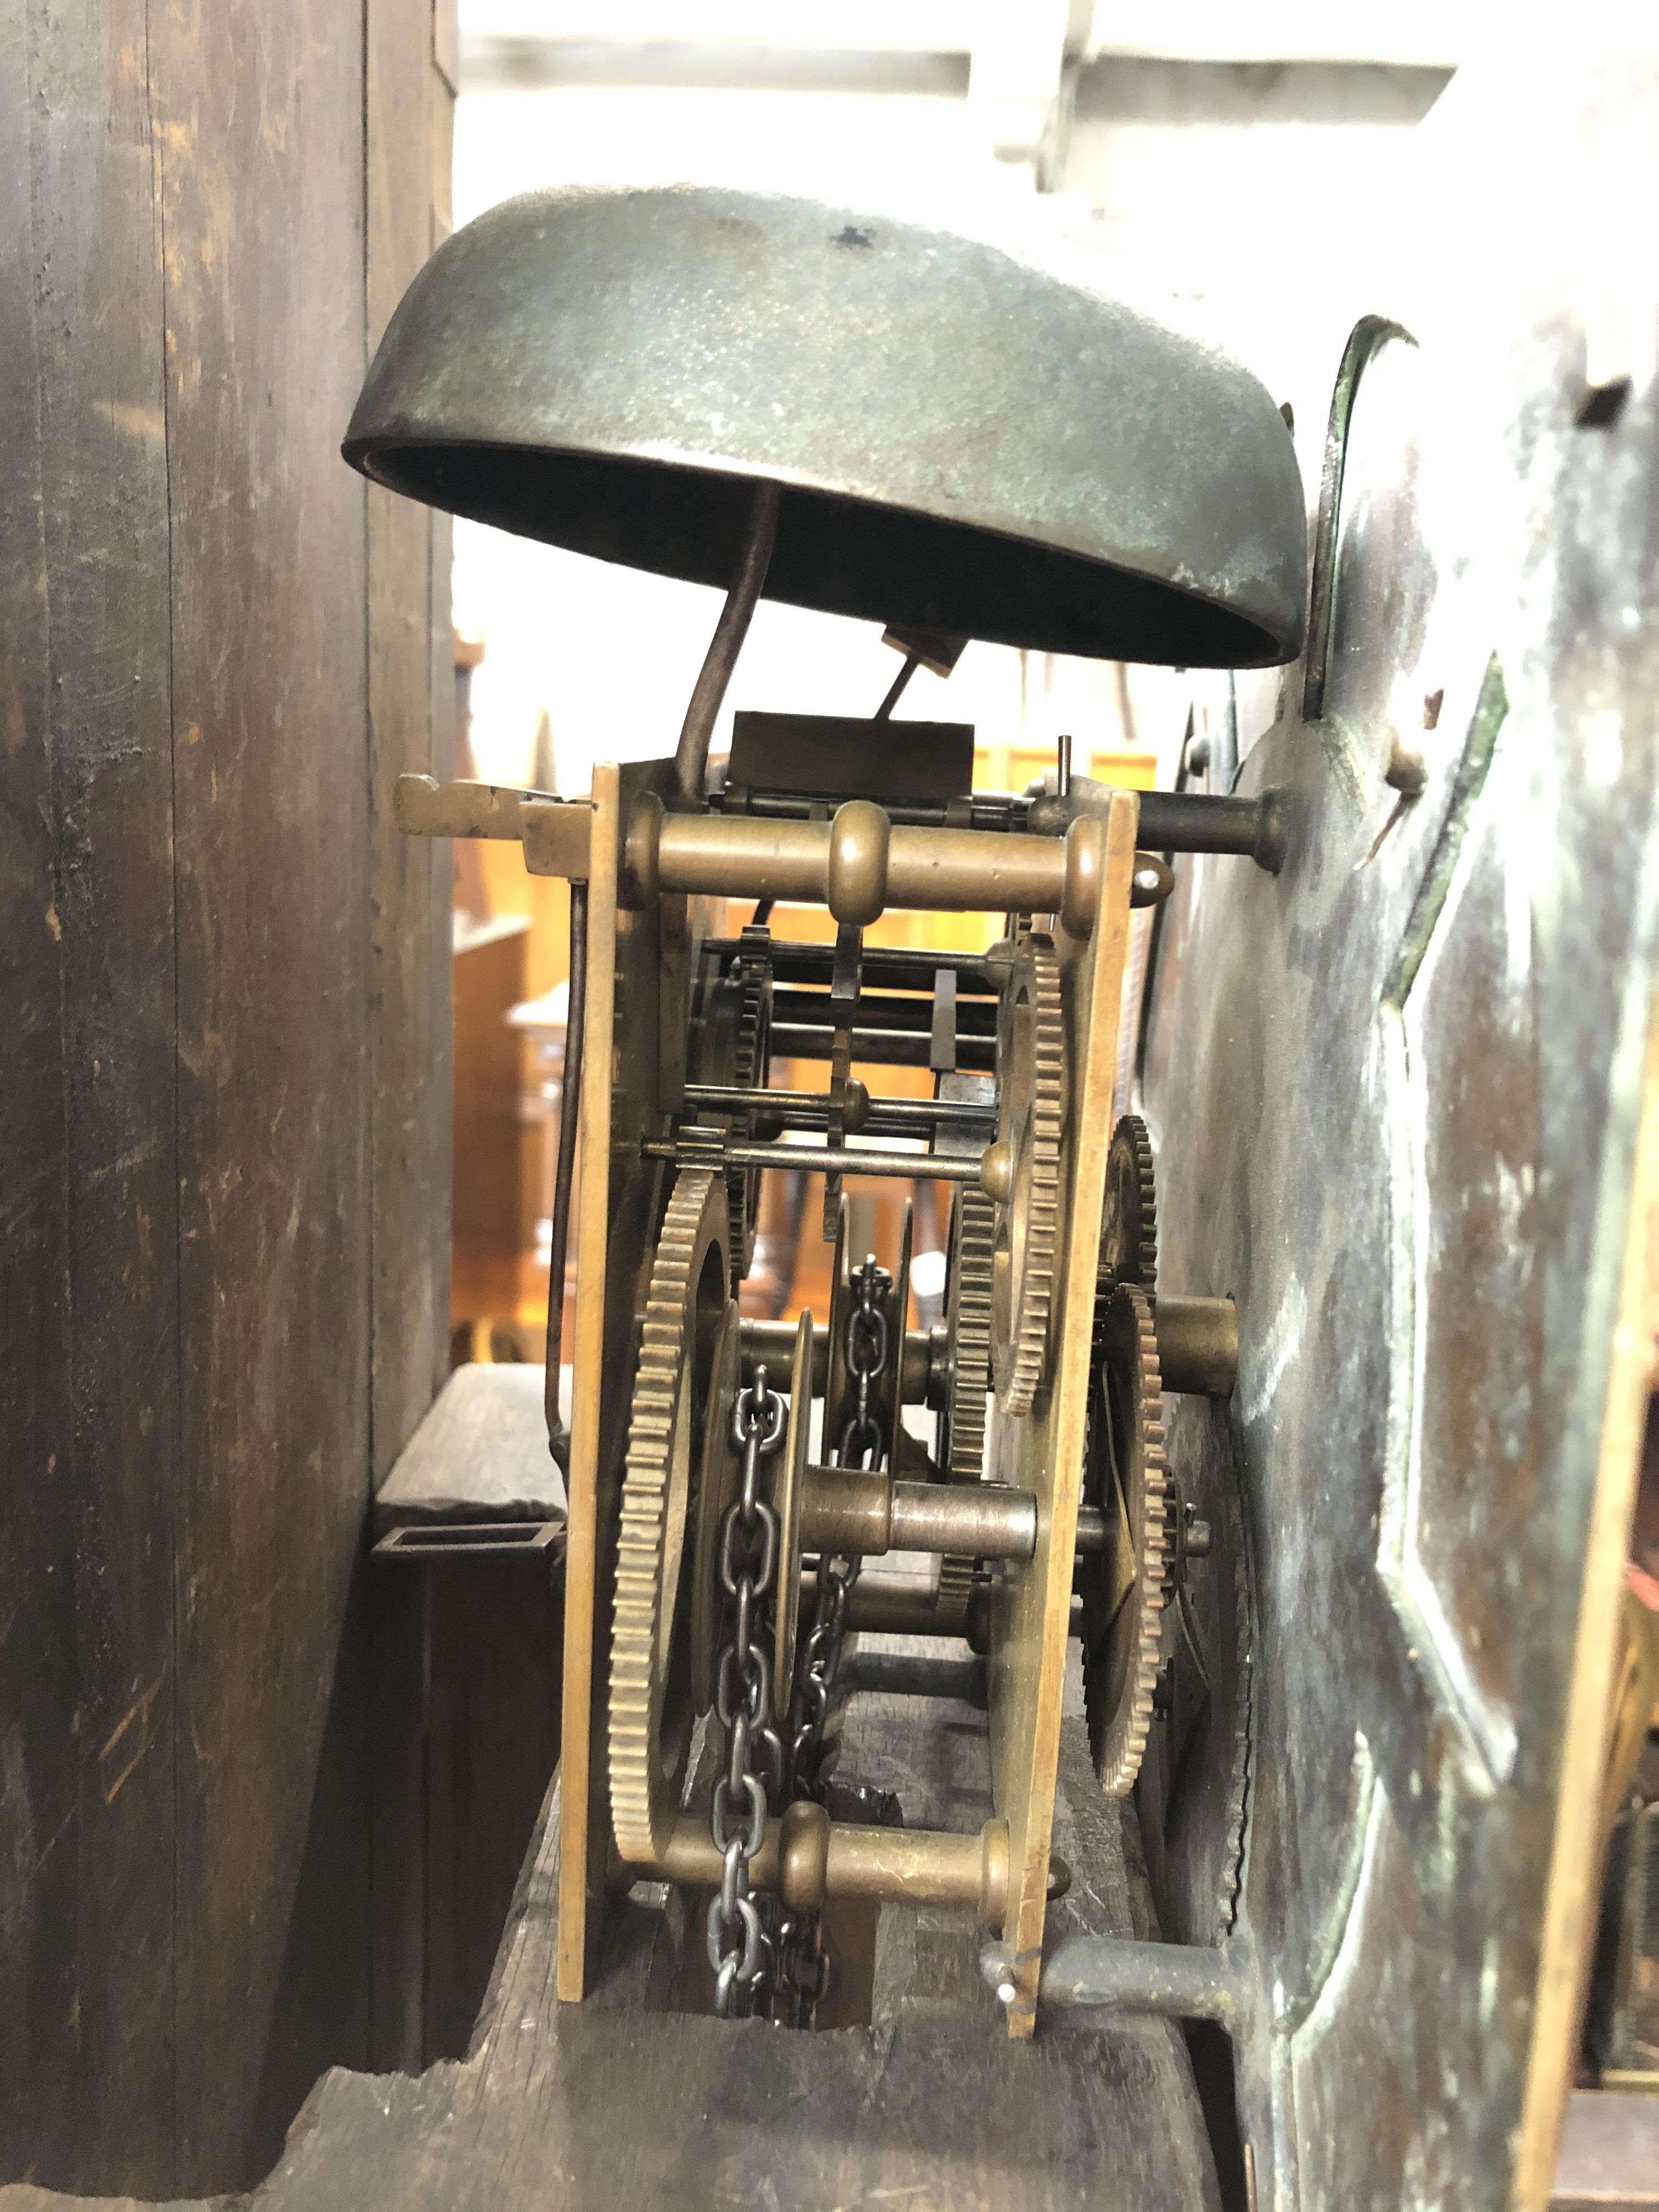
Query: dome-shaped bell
point(965, 443)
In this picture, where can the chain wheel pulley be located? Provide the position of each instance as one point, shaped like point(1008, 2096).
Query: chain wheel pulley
point(650, 1703)
point(1124, 1587)
point(1030, 1115)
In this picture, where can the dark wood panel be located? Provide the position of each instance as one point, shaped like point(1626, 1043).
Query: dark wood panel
point(468, 1663)
point(495, 1672)
point(411, 717)
point(621, 2102)
point(40, 1830)
point(185, 1133)
point(262, 199)
point(91, 1304)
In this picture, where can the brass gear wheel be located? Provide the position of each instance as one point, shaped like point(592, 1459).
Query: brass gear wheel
point(1030, 1110)
point(1128, 1231)
point(968, 1312)
point(1125, 1587)
point(650, 1700)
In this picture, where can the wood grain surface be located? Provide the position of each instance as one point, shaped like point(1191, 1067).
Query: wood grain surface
point(191, 1164)
point(411, 725)
point(89, 1290)
point(930, 2105)
point(480, 1455)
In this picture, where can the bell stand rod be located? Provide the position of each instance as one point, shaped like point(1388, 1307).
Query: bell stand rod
point(691, 754)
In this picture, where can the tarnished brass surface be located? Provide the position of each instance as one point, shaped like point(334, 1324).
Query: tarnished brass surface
point(856, 879)
point(773, 1342)
point(830, 1160)
point(849, 1510)
point(1124, 1587)
point(810, 1109)
point(1030, 1607)
point(963, 1520)
point(829, 756)
point(956, 870)
point(651, 1706)
point(1022, 1172)
point(1198, 1345)
point(911, 1606)
point(1128, 1228)
point(818, 1858)
point(423, 807)
point(585, 1826)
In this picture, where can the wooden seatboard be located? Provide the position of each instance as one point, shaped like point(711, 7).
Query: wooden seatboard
point(929, 2107)
point(1043, 1451)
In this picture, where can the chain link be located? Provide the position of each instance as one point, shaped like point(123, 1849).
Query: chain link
point(741, 1950)
point(803, 1963)
point(766, 1959)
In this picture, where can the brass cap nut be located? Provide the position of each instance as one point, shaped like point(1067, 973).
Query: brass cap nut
point(641, 885)
point(804, 1856)
point(994, 1870)
point(1085, 865)
point(996, 1171)
point(856, 890)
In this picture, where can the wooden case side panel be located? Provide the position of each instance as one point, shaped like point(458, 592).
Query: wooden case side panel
point(89, 1381)
point(411, 716)
point(259, 127)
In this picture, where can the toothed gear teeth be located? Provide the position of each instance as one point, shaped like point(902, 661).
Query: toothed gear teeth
point(656, 1507)
point(970, 1311)
point(1032, 1076)
point(1121, 1627)
point(1128, 1237)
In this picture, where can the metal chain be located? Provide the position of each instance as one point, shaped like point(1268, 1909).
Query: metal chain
point(803, 1963)
point(861, 1440)
point(742, 1950)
